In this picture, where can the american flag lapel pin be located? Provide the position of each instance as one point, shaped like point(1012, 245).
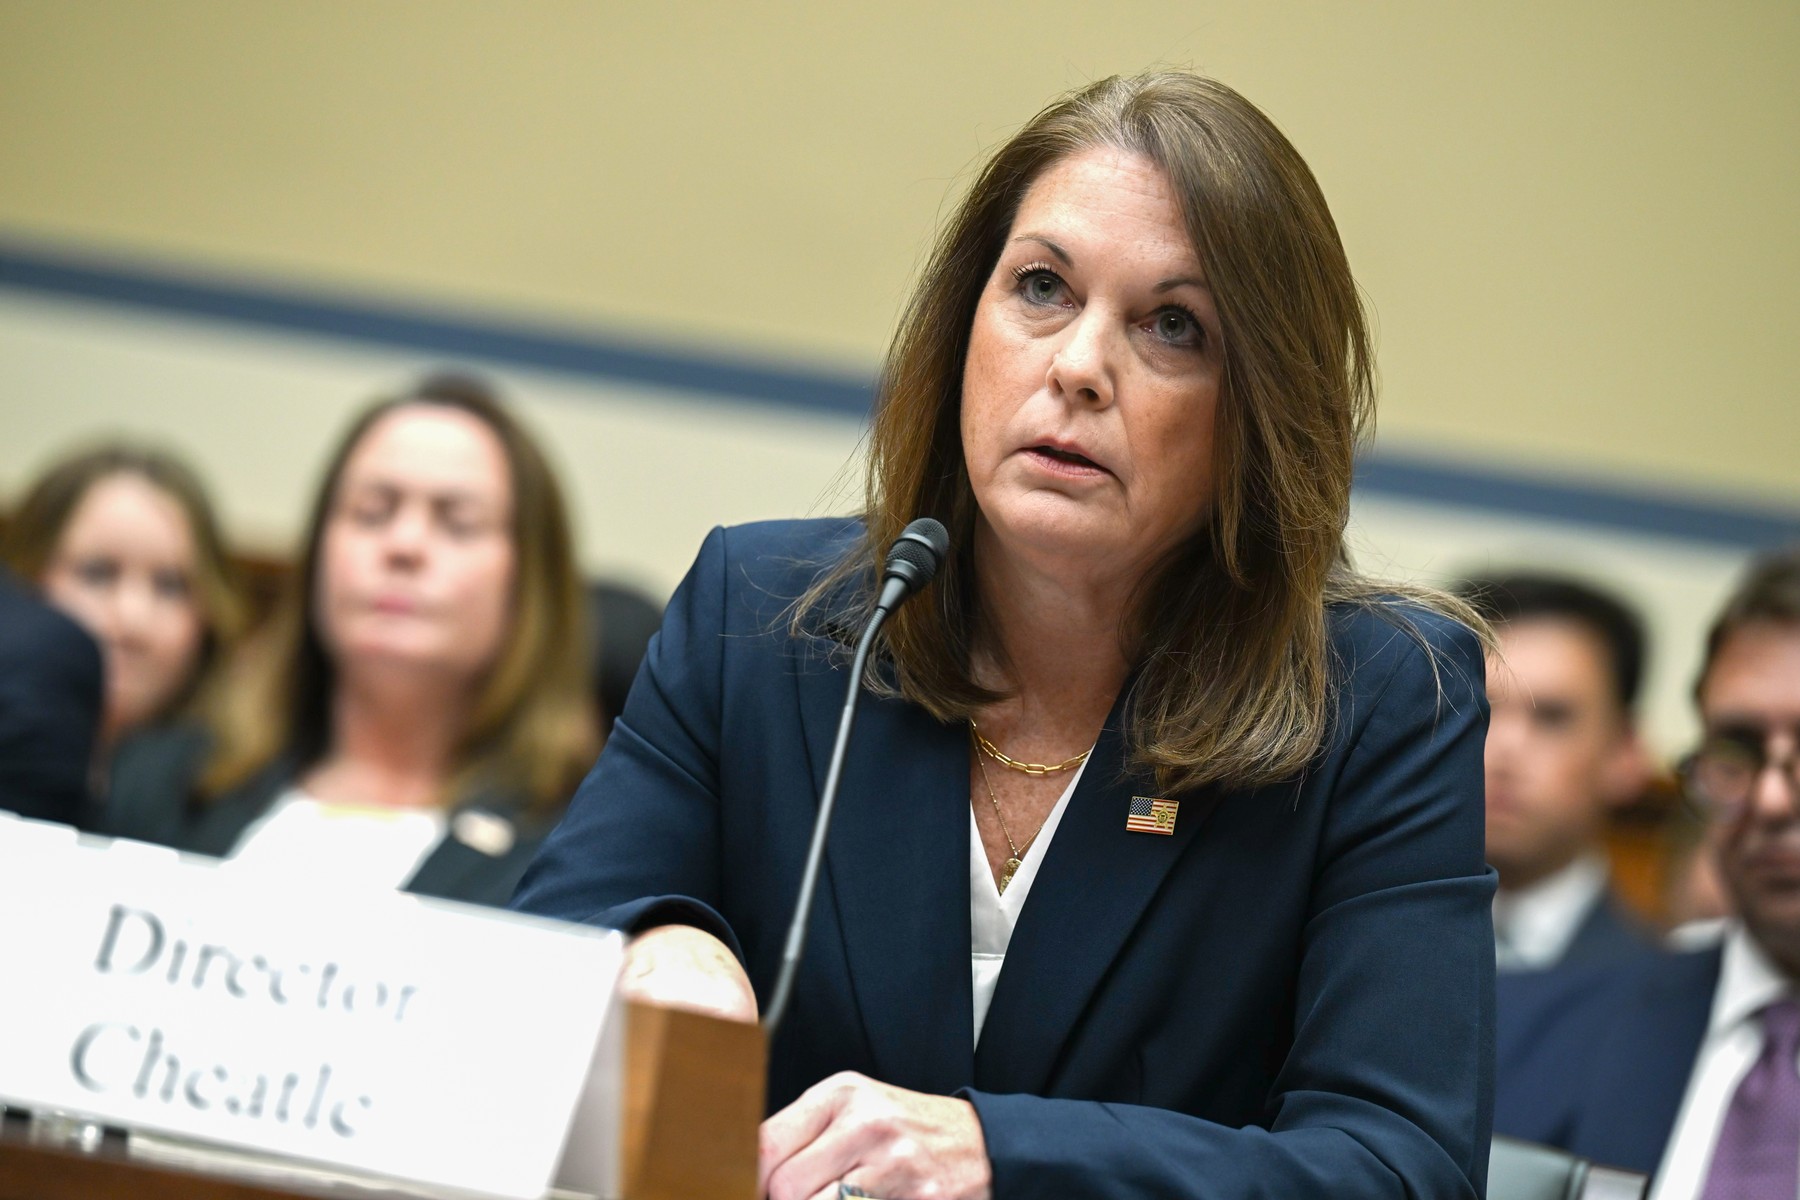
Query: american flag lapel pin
point(1150, 815)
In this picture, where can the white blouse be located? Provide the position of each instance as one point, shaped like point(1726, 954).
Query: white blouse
point(992, 915)
point(358, 847)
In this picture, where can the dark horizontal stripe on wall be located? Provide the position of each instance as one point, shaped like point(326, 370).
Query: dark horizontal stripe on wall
point(458, 337)
point(1661, 514)
point(35, 268)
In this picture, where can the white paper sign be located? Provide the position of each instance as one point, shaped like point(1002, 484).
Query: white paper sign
point(428, 1041)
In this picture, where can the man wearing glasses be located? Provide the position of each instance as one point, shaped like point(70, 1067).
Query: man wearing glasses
point(1685, 1065)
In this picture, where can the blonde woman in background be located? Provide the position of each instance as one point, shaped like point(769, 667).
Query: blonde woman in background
point(419, 712)
point(123, 539)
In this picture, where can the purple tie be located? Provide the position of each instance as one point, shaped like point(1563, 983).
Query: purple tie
point(1757, 1156)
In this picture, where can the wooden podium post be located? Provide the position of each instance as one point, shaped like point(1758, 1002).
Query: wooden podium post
point(693, 1105)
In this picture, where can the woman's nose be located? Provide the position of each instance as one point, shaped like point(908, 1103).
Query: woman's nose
point(404, 539)
point(1081, 369)
point(133, 604)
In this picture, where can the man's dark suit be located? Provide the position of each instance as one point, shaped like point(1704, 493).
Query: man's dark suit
point(50, 698)
point(1596, 1060)
point(1290, 996)
point(1607, 934)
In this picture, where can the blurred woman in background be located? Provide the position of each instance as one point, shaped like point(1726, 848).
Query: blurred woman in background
point(419, 712)
point(123, 539)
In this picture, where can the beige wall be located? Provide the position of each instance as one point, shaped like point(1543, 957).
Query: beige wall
point(1575, 222)
point(647, 471)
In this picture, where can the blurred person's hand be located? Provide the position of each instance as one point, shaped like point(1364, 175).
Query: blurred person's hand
point(678, 966)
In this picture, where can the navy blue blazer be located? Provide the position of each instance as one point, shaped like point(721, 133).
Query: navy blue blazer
point(1291, 996)
point(1596, 1059)
point(50, 706)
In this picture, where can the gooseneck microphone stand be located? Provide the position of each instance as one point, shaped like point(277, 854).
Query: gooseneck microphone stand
point(911, 563)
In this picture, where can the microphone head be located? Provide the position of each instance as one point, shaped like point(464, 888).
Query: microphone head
point(917, 552)
point(912, 561)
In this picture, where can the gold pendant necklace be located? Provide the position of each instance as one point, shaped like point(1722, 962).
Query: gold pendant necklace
point(1018, 852)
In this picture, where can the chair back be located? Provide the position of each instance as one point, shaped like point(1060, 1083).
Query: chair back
point(1527, 1171)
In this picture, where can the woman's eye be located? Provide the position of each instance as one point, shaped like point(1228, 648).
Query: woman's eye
point(97, 572)
point(369, 511)
point(170, 585)
point(463, 521)
point(1179, 328)
point(1039, 285)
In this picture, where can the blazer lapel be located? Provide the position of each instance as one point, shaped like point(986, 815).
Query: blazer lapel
point(446, 871)
point(897, 861)
point(1092, 888)
point(482, 834)
point(217, 828)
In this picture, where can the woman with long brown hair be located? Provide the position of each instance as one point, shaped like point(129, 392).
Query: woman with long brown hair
point(419, 710)
point(1200, 805)
point(123, 538)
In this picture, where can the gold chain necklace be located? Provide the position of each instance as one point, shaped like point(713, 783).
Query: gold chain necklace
point(1018, 852)
point(994, 752)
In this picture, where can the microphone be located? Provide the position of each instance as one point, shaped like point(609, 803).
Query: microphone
point(911, 562)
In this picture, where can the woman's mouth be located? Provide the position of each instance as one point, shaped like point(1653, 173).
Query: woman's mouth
point(1065, 462)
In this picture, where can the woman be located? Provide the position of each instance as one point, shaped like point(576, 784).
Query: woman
point(420, 711)
point(1203, 808)
point(123, 539)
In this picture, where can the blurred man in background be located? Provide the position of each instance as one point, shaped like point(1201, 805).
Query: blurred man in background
point(1562, 753)
point(1689, 1060)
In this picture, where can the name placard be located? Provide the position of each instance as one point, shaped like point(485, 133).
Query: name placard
point(427, 1041)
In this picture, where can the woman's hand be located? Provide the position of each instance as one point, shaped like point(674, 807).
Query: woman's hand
point(678, 966)
point(884, 1141)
